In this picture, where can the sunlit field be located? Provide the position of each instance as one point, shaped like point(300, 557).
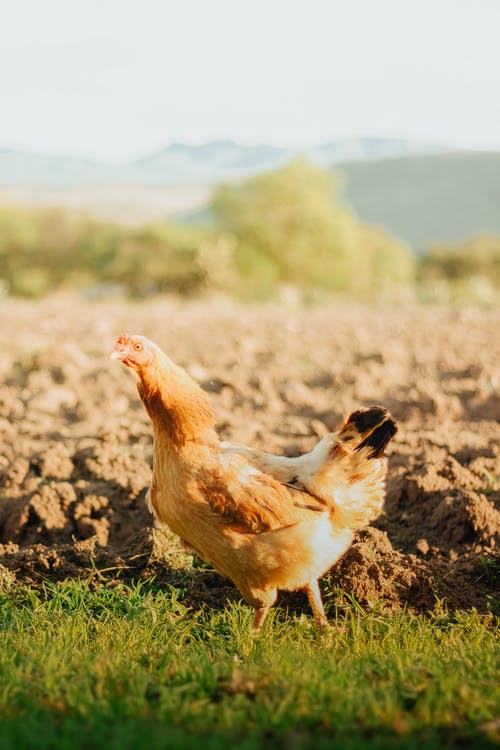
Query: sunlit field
point(114, 636)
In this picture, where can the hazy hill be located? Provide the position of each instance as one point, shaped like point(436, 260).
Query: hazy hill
point(208, 163)
point(420, 197)
point(21, 169)
point(181, 164)
point(427, 198)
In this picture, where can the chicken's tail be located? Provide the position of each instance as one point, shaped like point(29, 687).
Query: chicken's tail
point(370, 428)
point(352, 478)
point(346, 470)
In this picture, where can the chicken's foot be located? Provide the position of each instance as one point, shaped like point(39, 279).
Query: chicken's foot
point(260, 617)
point(316, 602)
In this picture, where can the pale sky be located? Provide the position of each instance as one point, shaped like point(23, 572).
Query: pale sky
point(116, 79)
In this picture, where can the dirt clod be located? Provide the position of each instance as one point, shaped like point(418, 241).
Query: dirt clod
point(76, 446)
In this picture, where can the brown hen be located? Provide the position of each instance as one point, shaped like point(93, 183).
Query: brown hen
point(267, 522)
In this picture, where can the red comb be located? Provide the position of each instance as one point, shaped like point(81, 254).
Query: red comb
point(122, 341)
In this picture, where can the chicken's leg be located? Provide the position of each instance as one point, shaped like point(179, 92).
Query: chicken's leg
point(260, 617)
point(316, 602)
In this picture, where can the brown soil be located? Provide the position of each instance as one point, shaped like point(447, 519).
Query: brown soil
point(76, 449)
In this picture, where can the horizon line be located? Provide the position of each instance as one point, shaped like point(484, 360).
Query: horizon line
point(194, 144)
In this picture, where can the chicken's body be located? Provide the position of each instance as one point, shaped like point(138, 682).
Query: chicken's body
point(267, 522)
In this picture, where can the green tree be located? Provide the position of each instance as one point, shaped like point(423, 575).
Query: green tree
point(462, 272)
point(290, 227)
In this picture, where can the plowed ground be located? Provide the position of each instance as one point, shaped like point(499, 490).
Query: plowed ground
point(76, 446)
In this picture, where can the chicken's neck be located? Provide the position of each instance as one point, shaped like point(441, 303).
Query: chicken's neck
point(178, 407)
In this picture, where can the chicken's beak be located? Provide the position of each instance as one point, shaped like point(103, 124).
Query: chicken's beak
point(116, 354)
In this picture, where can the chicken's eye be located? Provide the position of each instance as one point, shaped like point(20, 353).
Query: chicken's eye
point(138, 347)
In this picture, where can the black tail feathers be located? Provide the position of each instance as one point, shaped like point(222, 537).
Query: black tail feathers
point(375, 426)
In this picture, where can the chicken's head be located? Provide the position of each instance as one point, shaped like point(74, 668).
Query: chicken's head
point(134, 351)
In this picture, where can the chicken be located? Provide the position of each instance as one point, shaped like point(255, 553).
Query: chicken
point(267, 522)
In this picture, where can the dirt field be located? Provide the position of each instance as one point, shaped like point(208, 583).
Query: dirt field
point(76, 449)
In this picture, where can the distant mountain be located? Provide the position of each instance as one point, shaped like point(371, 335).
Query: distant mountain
point(367, 149)
point(427, 198)
point(227, 160)
point(181, 164)
point(22, 169)
point(420, 199)
point(415, 192)
point(208, 163)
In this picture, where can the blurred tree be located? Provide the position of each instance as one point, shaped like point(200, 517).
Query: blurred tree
point(289, 226)
point(284, 227)
point(477, 257)
point(463, 271)
point(156, 258)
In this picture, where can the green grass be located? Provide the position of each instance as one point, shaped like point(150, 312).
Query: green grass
point(131, 667)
